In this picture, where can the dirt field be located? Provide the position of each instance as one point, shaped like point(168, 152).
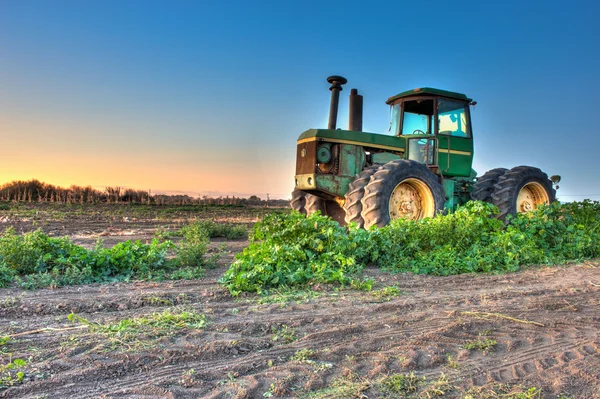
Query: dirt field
point(538, 328)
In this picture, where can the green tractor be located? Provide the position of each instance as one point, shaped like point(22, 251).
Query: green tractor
point(422, 168)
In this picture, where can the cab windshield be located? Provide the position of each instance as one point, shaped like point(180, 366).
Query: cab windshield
point(418, 117)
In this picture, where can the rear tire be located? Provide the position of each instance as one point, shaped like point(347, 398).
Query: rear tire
point(521, 190)
point(356, 190)
point(401, 189)
point(484, 186)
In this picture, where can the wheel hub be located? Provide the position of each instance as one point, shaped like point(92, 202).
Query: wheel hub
point(530, 196)
point(411, 199)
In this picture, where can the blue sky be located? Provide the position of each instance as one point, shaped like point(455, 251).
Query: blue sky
point(210, 97)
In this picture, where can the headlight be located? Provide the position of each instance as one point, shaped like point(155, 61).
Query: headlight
point(323, 154)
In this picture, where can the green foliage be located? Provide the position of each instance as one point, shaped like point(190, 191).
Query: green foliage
point(193, 246)
point(388, 292)
point(481, 344)
point(303, 355)
point(283, 334)
point(504, 391)
point(36, 260)
point(8, 375)
point(133, 332)
point(401, 384)
point(295, 250)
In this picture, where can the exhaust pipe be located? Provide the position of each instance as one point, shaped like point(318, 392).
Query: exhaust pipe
point(355, 117)
point(336, 87)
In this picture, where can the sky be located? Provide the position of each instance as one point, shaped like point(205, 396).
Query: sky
point(209, 97)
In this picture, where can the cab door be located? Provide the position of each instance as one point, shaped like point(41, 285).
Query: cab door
point(455, 141)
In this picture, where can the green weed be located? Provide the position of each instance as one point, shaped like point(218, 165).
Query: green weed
point(481, 344)
point(401, 384)
point(293, 250)
point(8, 375)
point(283, 334)
point(35, 260)
point(451, 361)
point(388, 292)
point(341, 388)
point(134, 331)
point(503, 391)
point(287, 295)
point(303, 355)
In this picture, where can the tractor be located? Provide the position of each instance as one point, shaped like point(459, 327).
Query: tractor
point(421, 168)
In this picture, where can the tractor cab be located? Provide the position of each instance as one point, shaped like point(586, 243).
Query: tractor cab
point(437, 127)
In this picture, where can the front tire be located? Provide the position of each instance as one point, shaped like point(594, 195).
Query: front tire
point(326, 207)
point(521, 190)
point(356, 190)
point(298, 201)
point(401, 189)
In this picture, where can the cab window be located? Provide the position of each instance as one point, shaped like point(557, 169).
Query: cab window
point(452, 118)
point(418, 117)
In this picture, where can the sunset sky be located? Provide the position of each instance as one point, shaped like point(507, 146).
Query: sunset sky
point(209, 97)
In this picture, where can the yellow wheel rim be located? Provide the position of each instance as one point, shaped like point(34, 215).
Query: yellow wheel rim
point(530, 196)
point(411, 199)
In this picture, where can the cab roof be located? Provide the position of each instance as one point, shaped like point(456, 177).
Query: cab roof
point(429, 91)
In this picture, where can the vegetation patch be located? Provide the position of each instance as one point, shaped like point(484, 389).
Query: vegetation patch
point(401, 384)
point(503, 391)
point(294, 250)
point(486, 344)
point(35, 260)
point(133, 332)
point(9, 374)
point(297, 250)
point(387, 293)
point(303, 355)
point(283, 334)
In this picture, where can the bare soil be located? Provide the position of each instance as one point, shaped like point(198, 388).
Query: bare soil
point(545, 322)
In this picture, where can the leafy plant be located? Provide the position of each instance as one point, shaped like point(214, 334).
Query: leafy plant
point(303, 355)
point(401, 384)
point(293, 250)
point(481, 344)
point(9, 377)
point(283, 334)
point(388, 292)
point(36, 260)
point(132, 332)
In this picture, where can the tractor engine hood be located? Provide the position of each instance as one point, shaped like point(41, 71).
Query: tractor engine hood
point(369, 140)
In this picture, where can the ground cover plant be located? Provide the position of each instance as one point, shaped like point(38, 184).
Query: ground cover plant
point(295, 250)
point(34, 259)
point(292, 250)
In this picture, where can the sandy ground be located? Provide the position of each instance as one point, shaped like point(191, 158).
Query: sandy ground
point(545, 322)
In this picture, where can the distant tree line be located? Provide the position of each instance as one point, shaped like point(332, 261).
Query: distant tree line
point(36, 191)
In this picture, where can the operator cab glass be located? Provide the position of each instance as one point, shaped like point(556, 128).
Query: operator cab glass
point(452, 118)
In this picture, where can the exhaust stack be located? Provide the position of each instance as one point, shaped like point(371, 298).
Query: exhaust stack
point(336, 87)
point(355, 117)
